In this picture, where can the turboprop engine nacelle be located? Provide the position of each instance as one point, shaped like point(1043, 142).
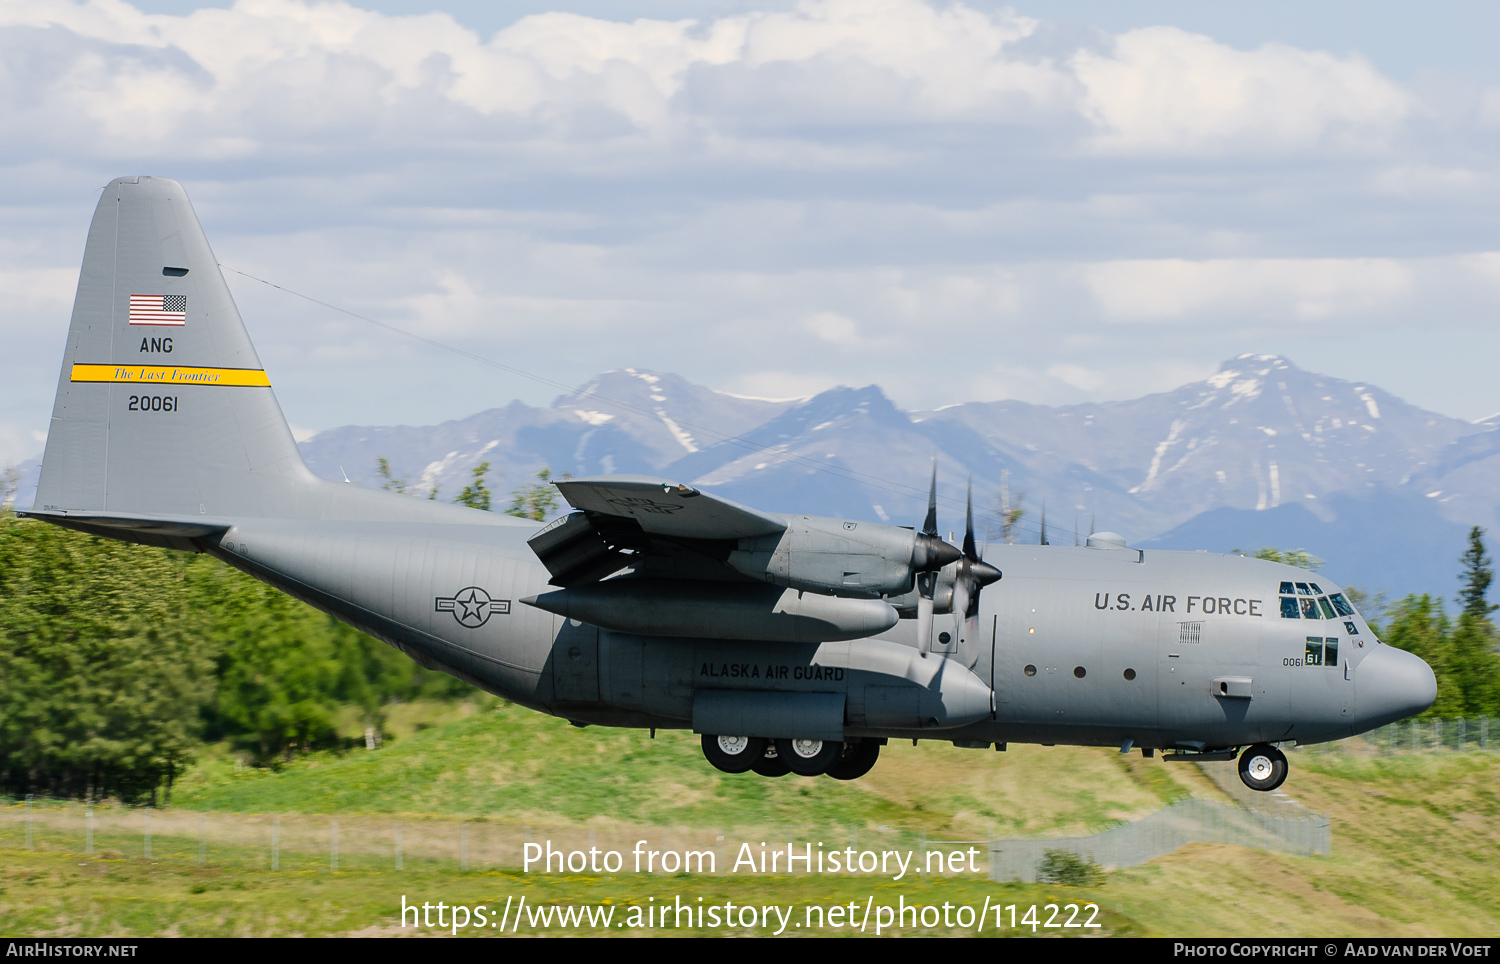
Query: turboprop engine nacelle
point(841, 557)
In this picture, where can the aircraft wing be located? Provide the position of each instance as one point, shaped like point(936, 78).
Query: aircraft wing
point(668, 508)
point(674, 529)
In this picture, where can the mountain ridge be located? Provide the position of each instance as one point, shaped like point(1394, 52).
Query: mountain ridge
point(1213, 462)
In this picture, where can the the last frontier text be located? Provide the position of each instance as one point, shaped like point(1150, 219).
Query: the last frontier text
point(806, 858)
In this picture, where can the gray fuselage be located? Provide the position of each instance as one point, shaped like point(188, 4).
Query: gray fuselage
point(1080, 645)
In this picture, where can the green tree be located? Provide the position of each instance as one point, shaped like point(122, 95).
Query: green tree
point(476, 495)
point(1371, 605)
point(1418, 624)
point(105, 663)
point(1477, 576)
point(536, 500)
point(391, 483)
point(1300, 558)
point(1474, 666)
point(286, 669)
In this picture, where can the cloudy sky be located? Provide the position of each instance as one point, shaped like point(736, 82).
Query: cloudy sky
point(1055, 202)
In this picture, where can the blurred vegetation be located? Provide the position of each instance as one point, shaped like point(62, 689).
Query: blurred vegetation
point(119, 661)
point(1067, 868)
point(1300, 558)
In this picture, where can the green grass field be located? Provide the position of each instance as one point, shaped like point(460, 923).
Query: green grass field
point(1415, 838)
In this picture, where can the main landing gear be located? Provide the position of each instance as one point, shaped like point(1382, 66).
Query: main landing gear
point(1263, 767)
point(775, 758)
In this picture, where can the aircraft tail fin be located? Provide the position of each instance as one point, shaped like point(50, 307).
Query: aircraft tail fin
point(163, 408)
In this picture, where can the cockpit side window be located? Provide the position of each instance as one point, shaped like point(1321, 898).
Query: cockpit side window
point(1341, 605)
point(1289, 607)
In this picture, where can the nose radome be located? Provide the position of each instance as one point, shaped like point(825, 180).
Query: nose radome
point(1391, 684)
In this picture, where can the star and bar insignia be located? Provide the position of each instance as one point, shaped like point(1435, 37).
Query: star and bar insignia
point(472, 607)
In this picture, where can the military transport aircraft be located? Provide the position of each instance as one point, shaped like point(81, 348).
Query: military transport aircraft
point(792, 643)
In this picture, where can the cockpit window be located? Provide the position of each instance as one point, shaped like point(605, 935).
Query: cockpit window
point(1304, 590)
point(1310, 609)
point(1316, 590)
point(1286, 589)
point(1327, 609)
point(1314, 651)
point(1289, 608)
point(1341, 605)
point(1330, 651)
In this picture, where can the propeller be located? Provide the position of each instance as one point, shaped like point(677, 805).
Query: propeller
point(927, 578)
point(960, 580)
point(973, 572)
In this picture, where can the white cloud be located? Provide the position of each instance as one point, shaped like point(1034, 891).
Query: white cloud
point(949, 202)
point(833, 328)
point(1163, 90)
point(1176, 289)
point(276, 77)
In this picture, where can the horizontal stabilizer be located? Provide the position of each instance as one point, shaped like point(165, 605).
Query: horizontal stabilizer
point(148, 530)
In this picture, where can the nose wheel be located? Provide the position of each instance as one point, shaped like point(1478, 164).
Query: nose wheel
point(1263, 767)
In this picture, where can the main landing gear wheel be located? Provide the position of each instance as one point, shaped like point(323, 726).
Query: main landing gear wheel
point(733, 754)
point(809, 758)
point(855, 761)
point(772, 764)
point(1263, 767)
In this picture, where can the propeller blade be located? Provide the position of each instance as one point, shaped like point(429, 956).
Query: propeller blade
point(929, 527)
point(924, 623)
point(969, 550)
point(974, 573)
point(930, 552)
point(1044, 525)
point(964, 590)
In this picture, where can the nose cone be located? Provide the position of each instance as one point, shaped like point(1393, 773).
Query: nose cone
point(1392, 684)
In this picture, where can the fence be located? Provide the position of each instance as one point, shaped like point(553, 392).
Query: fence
point(1185, 822)
point(1457, 735)
point(305, 843)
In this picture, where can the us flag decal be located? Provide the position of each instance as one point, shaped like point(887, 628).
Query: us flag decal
point(158, 309)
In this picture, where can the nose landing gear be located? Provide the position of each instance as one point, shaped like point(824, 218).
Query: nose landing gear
point(1263, 767)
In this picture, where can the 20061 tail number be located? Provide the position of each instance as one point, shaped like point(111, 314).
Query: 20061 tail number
point(153, 403)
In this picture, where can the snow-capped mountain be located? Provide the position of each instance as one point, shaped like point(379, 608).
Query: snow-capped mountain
point(1256, 454)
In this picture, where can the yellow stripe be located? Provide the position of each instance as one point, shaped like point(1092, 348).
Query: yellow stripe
point(169, 375)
